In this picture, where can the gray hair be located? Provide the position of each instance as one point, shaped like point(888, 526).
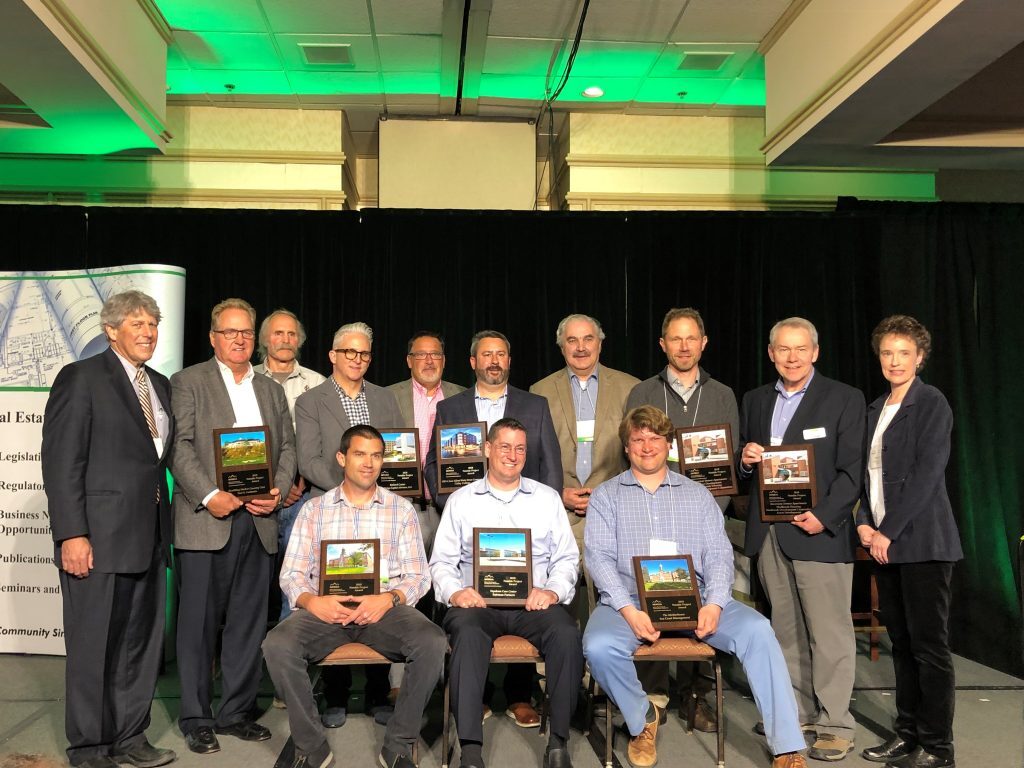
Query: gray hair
point(121, 305)
point(227, 304)
point(265, 329)
point(794, 322)
point(357, 327)
point(481, 335)
point(560, 333)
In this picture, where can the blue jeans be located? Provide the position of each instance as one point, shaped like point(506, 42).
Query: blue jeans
point(609, 643)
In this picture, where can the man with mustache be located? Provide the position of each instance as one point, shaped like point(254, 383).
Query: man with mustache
point(418, 398)
point(491, 400)
point(281, 337)
point(691, 398)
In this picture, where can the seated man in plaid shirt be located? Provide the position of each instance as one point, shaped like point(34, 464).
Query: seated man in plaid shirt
point(388, 623)
point(651, 510)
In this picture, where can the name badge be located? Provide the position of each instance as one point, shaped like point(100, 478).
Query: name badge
point(673, 455)
point(585, 431)
point(775, 441)
point(818, 433)
point(661, 548)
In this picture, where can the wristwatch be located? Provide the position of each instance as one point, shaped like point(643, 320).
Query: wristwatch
point(395, 599)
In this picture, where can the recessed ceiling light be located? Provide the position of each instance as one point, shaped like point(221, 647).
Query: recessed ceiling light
point(593, 92)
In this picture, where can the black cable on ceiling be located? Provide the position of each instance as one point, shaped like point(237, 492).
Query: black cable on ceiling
point(462, 56)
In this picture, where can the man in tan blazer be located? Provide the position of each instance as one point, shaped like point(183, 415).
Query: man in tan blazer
point(587, 403)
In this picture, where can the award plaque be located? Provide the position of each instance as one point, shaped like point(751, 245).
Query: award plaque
point(786, 482)
point(242, 458)
point(706, 457)
point(460, 455)
point(667, 588)
point(350, 567)
point(503, 565)
point(402, 471)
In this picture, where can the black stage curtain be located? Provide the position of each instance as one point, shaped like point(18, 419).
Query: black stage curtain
point(956, 267)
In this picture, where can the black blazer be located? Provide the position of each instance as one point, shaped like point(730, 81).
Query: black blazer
point(100, 466)
point(838, 466)
point(915, 451)
point(543, 456)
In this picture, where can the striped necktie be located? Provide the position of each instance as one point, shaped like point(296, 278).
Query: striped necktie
point(147, 406)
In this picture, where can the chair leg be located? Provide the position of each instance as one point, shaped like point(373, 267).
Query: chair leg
point(720, 712)
point(607, 732)
point(447, 715)
point(543, 730)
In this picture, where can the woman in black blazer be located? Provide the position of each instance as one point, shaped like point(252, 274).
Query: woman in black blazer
point(905, 520)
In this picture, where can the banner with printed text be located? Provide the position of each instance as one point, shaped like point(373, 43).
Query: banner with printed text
point(49, 319)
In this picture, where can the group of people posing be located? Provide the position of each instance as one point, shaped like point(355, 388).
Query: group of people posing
point(586, 460)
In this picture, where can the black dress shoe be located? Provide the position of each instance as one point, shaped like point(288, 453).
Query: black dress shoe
point(893, 749)
point(144, 755)
point(557, 758)
point(921, 759)
point(246, 730)
point(97, 761)
point(202, 741)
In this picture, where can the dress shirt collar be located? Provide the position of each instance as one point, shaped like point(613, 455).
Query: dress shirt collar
point(423, 390)
point(129, 367)
point(227, 372)
point(526, 486)
point(671, 478)
point(574, 377)
point(781, 388)
point(339, 497)
point(476, 393)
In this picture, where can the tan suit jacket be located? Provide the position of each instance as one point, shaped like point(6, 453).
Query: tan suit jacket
point(608, 458)
point(403, 393)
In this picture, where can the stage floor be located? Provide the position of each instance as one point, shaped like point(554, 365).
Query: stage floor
point(989, 726)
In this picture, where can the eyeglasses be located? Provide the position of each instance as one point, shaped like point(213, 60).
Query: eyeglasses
point(506, 448)
point(425, 355)
point(352, 354)
point(232, 333)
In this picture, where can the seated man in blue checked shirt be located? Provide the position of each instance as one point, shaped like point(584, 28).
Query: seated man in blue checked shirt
point(506, 499)
point(650, 510)
point(388, 623)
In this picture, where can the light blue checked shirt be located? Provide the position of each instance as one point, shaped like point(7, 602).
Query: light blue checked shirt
point(622, 518)
point(532, 505)
point(387, 517)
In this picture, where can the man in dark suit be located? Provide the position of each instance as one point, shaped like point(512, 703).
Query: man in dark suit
point(806, 566)
point(322, 415)
point(225, 545)
point(490, 400)
point(418, 398)
point(106, 435)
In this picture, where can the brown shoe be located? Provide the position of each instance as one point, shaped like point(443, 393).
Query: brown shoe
point(704, 719)
point(789, 760)
point(643, 749)
point(523, 714)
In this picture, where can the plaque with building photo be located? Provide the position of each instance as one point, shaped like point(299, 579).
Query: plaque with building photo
point(786, 482)
point(503, 565)
point(667, 588)
point(460, 455)
point(706, 457)
point(242, 461)
point(350, 567)
point(402, 470)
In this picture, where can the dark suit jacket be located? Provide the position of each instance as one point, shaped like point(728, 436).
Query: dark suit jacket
point(201, 405)
point(320, 421)
point(403, 394)
point(543, 457)
point(100, 466)
point(915, 451)
point(838, 466)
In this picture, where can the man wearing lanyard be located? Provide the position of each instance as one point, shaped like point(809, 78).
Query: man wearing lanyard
point(806, 566)
point(489, 401)
point(418, 398)
point(691, 398)
point(387, 622)
point(587, 402)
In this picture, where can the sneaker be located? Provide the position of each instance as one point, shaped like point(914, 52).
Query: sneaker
point(334, 717)
point(789, 760)
point(830, 747)
point(643, 750)
point(321, 757)
point(389, 759)
point(704, 719)
point(806, 728)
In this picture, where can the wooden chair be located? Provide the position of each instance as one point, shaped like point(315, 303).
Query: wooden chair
point(666, 648)
point(868, 621)
point(507, 649)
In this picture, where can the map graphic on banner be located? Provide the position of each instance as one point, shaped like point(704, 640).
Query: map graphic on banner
point(47, 320)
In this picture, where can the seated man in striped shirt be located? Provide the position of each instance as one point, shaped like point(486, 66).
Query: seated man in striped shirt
point(650, 510)
point(387, 622)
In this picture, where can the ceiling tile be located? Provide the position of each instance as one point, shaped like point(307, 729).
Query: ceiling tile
point(633, 20)
point(667, 89)
point(361, 83)
point(213, 82)
point(419, 17)
point(409, 53)
point(317, 17)
point(519, 56)
point(747, 21)
point(412, 83)
point(668, 62)
point(228, 50)
point(360, 48)
point(207, 16)
point(533, 18)
point(615, 59)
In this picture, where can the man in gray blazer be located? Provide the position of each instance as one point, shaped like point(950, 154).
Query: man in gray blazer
point(225, 545)
point(418, 397)
point(321, 417)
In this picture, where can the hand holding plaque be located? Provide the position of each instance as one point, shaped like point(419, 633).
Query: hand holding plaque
point(242, 461)
point(350, 567)
point(786, 482)
point(667, 588)
point(503, 565)
point(706, 457)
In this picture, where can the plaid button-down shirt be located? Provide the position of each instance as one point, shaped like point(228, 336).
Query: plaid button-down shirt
point(356, 409)
point(387, 517)
point(623, 517)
